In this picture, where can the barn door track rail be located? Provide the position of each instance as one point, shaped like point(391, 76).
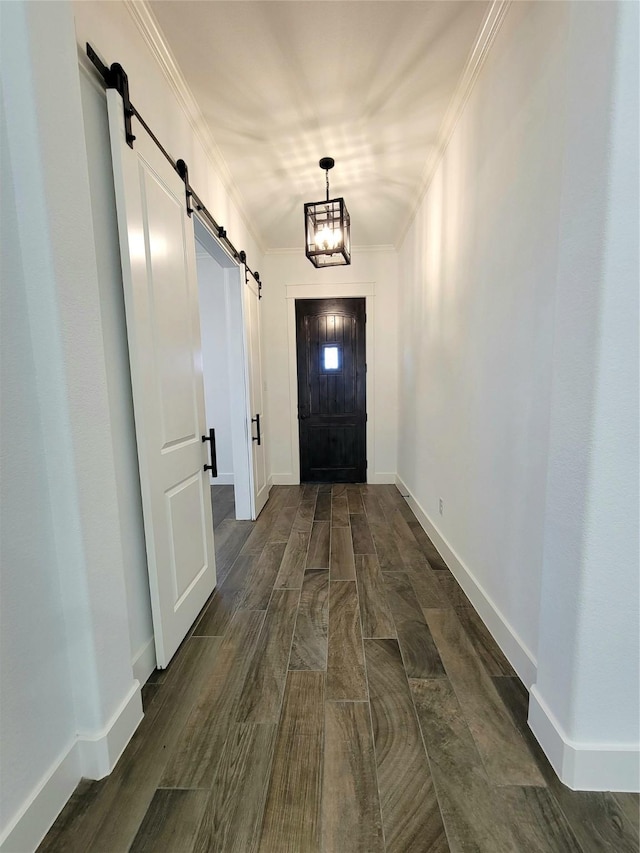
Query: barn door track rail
point(115, 77)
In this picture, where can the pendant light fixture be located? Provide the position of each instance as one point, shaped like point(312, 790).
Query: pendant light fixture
point(327, 228)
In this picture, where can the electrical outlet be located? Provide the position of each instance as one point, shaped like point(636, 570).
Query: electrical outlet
point(441, 506)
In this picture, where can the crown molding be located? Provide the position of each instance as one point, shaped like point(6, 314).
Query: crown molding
point(154, 38)
point(486, 36)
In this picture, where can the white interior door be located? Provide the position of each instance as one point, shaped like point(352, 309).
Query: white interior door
point(259, 427)
point(157, 248)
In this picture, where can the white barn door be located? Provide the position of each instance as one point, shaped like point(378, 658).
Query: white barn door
point(157, 248)
point(256, 393)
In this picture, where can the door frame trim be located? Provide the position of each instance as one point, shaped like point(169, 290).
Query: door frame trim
point(365, 289)
point(238, 366)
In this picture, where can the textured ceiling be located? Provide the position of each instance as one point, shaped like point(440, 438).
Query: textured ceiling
point(282, 84)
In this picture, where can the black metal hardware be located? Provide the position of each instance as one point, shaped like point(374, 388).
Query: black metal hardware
point(183, 171)
point(99, 64)
point(327, 163)
point(255, 275)
point(120, 82)
point(116, 78)
point(258, 437)
point(211, 438)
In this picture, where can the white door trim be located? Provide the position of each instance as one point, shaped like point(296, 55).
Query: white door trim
point(240, 396)
point(331, 291)
point(255, 384)
point(238, 368)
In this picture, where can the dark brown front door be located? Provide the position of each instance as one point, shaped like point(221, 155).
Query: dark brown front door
point(332, 409)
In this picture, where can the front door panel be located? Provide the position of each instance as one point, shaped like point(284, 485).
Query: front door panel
point(330, 337)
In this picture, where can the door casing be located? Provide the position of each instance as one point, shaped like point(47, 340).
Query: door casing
point(238, 371)
point(241, 296)
point(258, 424)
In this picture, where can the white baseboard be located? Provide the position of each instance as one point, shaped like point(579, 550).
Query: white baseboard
point(381, 478)
point(583, 766)
point(285, 480)
point(144, 662)
point(517, 653)
point(90, 755)
point(43, 806)
point(100, 751)
point(222, 480)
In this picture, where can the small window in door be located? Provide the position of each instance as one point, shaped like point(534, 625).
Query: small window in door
point(331, 358)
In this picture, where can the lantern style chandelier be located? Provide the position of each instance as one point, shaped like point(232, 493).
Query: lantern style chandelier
point(327, 228)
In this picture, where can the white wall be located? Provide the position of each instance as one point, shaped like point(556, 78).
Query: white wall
point(503, 274)
point(31, 607)
point(586, 703)
point(71, 700)
point(372, 271)
point(215, 360)
point(477, 281)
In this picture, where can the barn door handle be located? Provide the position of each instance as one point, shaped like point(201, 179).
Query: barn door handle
point(257, 438)
point(211, 438)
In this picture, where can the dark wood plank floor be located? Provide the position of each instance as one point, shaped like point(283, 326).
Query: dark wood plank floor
point(337, 693)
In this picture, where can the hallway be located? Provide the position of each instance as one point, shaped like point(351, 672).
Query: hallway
point(338, 693)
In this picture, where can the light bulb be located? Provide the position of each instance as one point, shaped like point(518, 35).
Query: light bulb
point(327, 239)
